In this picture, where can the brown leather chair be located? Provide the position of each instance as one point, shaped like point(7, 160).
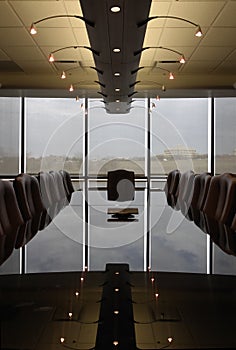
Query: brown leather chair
point(59, 191)
point(185, 191)
point(219, 208)
point(68, 185)
point(171, 187)
point(220, 198)
point(120, 185)
point(30, 203)
point(10, 220)
point(45, 184)
point(200, 189)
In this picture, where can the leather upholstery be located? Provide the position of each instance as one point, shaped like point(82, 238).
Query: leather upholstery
point(10, 220)
point(120, 185)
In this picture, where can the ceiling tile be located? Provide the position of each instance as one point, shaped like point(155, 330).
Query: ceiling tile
point(55, 37)
point(3, 56)
point(232, 56)
point(199, 66)
point(31, 11)
point(36, 67)
point(73, 7)
point(227, 16)
point(227, 67)
point(210, 53)
point(25, 53)
point(220, 37)
point(199, 12)
point(81, 36)
point(152, 37)
point(7, 16)
point(179, 37)
point(15, 37)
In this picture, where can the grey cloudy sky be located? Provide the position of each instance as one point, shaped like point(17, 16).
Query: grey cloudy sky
point(55, 126)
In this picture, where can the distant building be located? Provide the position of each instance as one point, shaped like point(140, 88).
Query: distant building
point(234, 152)
point(180, 152)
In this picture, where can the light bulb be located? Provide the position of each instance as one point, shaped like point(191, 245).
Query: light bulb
point(182, 59)
point(71, 88)
point(171, 77)
point(63, 75)
point(115, 9)
point(33, 29)
point(198, 32)
point(51, 58)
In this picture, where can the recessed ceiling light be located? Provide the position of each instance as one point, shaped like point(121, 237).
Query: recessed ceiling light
point(115, 9)
point(116, 49)
point(117, 89)
point(117, 74)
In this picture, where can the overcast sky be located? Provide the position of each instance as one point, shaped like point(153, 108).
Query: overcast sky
point(56, 127)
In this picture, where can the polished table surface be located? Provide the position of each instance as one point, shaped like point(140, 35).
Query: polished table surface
point(63, 310)
point(175, 244)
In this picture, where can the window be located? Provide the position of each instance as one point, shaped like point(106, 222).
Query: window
point(116, 141)
point(54, 135)
point(225, 135)
point(179, 135)
point(10, 109)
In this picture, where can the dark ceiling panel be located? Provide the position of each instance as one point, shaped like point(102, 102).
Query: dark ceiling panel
point(116, 30)
point(9, 66)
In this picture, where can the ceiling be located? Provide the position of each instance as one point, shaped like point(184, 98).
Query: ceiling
point(210, 60)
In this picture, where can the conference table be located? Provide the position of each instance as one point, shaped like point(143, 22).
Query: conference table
point(155, 235)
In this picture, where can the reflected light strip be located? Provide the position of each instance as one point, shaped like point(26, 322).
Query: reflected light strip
point(84, 226)
point(211, 153)
point(208, 254)
point(146, 212)
point(209, 135)
point(20, 258)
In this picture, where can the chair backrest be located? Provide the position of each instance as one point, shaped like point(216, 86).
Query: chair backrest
point(30, 203)
point(220, 199)
point(45, 184)
point(10, 220)
point(68, 185)
point(200, 190)
point(185, 191)
point(201, 185)
point(171, 187)
point(120, 185)
point(61, 194)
